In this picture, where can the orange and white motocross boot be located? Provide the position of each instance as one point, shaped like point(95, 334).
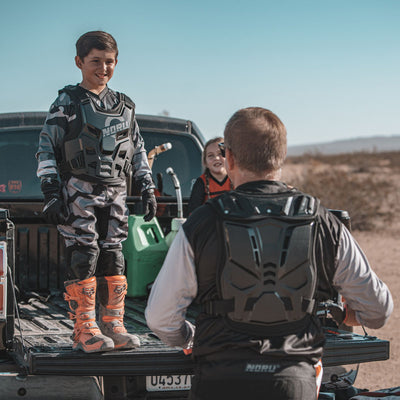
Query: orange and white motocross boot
point(111, 294)
point(81, 297)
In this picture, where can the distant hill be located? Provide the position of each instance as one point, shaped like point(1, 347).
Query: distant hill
point(371, 144)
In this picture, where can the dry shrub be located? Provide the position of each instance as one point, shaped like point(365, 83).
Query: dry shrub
point(360, 160)
point(352, 182)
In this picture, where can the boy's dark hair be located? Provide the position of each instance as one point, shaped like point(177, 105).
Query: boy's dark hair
point(257, 139)
point(95, 40)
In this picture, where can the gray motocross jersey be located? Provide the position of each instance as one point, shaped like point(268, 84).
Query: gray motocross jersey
point(63, 116)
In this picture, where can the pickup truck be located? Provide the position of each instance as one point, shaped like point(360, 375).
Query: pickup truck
point(36, 357)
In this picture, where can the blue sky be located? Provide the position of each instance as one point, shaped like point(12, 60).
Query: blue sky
point(329, 69)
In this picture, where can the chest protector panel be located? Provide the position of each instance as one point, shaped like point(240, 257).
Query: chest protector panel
point(268, 282)
point(101, 149)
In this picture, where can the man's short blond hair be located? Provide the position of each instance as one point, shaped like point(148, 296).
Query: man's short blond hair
point(256, 137)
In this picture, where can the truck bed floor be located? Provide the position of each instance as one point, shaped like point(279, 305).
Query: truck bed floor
point(43, 345)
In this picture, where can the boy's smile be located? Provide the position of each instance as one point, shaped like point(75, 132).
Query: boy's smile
point(97, 69)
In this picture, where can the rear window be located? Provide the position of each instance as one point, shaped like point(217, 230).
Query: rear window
point(184, 158)
point(18, 163)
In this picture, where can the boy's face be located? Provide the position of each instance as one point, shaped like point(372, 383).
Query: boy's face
point(97, 69)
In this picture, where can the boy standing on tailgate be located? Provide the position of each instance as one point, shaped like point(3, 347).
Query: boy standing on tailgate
point(88, 145)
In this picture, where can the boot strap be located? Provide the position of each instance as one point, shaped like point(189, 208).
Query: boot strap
point(118, 327)
point(83, 316)
point(112, 312)
point(88, 315)
point(87, 327)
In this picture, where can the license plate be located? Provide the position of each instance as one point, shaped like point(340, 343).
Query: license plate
point(168, 382)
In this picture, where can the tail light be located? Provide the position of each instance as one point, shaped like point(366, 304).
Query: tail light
point(3, 280)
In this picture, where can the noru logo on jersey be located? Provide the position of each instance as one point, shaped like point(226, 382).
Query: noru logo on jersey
point(266, 368)
point(113, 129)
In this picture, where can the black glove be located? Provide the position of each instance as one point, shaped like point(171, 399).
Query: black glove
point(53, 209)
point(149, 204)
point(337, 311)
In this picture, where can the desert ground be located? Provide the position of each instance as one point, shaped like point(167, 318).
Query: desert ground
point(367, 185)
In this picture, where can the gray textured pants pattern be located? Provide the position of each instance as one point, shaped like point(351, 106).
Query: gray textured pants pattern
point(96, 226)
point(84, 201)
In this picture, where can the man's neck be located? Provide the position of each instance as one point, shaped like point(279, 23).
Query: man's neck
point(242, 177)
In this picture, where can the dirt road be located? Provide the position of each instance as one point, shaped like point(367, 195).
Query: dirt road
point(383, 252)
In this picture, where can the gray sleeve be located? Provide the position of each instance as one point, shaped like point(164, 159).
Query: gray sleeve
point(172, 293)
point(363, 291)
point(141, 169)
point(52, 134)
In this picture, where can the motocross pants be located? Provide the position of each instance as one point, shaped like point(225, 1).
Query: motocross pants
point(96, 225)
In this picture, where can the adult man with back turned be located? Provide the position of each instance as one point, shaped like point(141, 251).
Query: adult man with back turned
point(258, 259)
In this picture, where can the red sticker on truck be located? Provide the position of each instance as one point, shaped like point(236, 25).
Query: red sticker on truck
point(14, 186)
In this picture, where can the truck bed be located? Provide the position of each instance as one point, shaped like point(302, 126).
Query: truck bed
point(43, 345)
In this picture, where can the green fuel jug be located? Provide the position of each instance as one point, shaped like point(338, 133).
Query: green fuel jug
point(144, 251)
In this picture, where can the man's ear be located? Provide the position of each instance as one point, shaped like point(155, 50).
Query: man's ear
point(78, 62)
point(229, 159)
